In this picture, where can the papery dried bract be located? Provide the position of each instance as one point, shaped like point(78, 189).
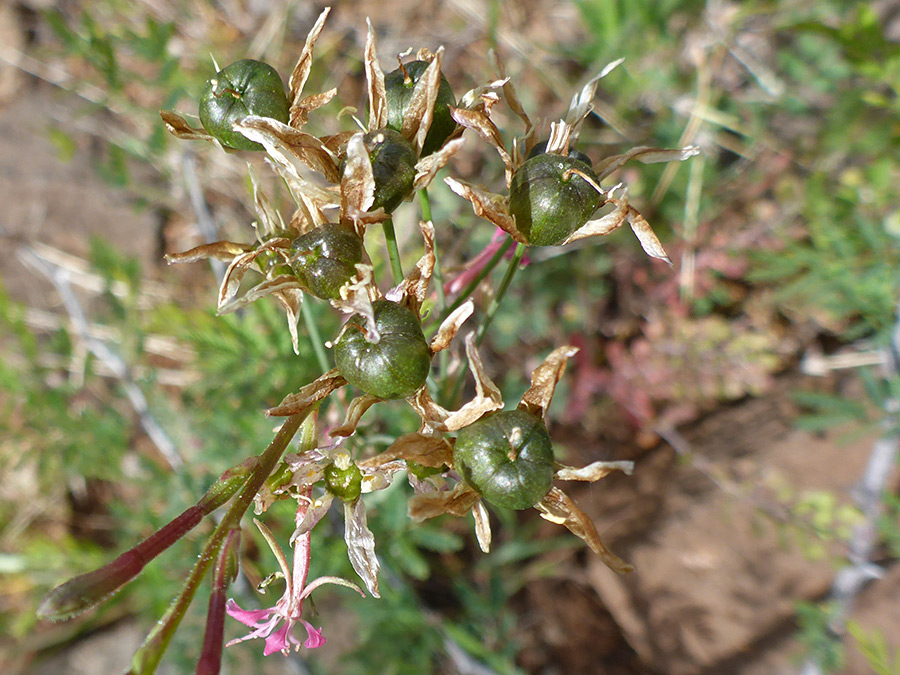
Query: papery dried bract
point(303, 400)
point(481, 124)
point(299, 107)
point(378, 112)
point(593, 471)
point(430, 451)
point(488, 205)
point(450, 326)
point(287, 145)
point(357, 181)
point(482, 526)
point(357, 408)
point(179, 127)
point(457, 502)
point(544, 380)
point(220, 250)
point(361, 545)
point(558, 508)
point(357, 297)
point(428, 166)
point(645, 155)
point(414, 288)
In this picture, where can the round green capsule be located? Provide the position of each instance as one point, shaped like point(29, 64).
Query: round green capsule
point(244, 88)
point(325, 258)
point(399, 86)
point(507, 457)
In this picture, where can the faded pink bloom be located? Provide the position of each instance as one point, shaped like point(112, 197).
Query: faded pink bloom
point(478, 262)
point(289, 608)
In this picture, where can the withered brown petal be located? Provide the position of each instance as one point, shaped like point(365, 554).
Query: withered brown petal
point(458, 502)
point(558, 508)
point(355, 411)
point(220, 250)
point(283, 282)
point(431, 451)
point(509, 91)
point(285, 144)
point(451, 325)
point(428, 166)
point(482, 526)
point(378, 114)
point(487, 205)
point(648, 239)
point(309, 395)
point(544, 380)
point(358, 181)
point(291, 300)
point(415, 287)
point(420, 109)
point(581, 102)
point(269, 219)
point(593, 471)
point(300, 111)
point(646, 155)
point(357, 296)
point(179, 127)
point(603, 225)
point(304, 63)
point(482, 125)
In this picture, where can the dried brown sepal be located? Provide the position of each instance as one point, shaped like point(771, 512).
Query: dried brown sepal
point(281, 283)
point(581, 102)
point(603, 225)
point(269, 219)
point(220, 250)
point(646, 155)
point(457, 502)
point(285, 144)
point(291, 301)
point(482, 526)
point(430, 451)
point(420, 109)
point(558, 508)
point(309, 395)
point(593, 471)
point(544, 380)
point(301, 71)
point(300, 112)
point(428, 166)
point(481, 124)
point(357, 408)
point(357, 296)
point(309, 212)
point(235, 271)
point(509, 91)
point(487, 205)
point(179, 127)
point(645, 235)
point(487, 398)
point(361, 545)
point(358, 181)
point(414, 288)
point(378, 112)
point(450, 326)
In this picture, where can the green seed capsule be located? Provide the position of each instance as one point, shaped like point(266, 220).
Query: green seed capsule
point(395, 367)
point(244, 88)
point(344, 483)
point(399, 91)
point(393, 167)
point(547, 204)
point(507, 457)
point(325, 258)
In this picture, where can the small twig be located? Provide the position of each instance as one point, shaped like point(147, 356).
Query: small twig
point(61, 280)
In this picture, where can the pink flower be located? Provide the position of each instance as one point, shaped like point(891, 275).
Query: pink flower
point(477, 264)
point(289, 608)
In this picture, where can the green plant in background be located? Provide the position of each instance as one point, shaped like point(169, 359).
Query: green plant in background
point(875, 649)
point(373, 351)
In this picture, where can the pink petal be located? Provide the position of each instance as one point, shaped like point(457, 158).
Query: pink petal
point(277, 641)
point(315, 639)
point(248, 617)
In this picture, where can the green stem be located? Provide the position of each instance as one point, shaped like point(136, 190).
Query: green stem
point(148, 656)
point(315, 336)
point(501, 292)
point(472, 285)
point(390, 237)
point(489, 316)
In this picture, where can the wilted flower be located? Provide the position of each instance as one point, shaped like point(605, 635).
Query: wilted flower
point(289, 609)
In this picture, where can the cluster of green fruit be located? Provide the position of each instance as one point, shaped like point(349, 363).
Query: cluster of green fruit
point(505, 456)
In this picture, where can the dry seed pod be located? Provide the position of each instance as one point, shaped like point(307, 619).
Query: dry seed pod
point(325, 258)
point(507, 457)
point(244, 88)
point(394, 367)
point(549, 200)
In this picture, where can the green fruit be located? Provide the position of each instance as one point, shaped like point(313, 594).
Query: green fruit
point(395, 367)
point(325, 258)
point(393, 167)
point(399, 90)
point(547, 205)
point(344, 483)
point(507, 457)
point(244, 88)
